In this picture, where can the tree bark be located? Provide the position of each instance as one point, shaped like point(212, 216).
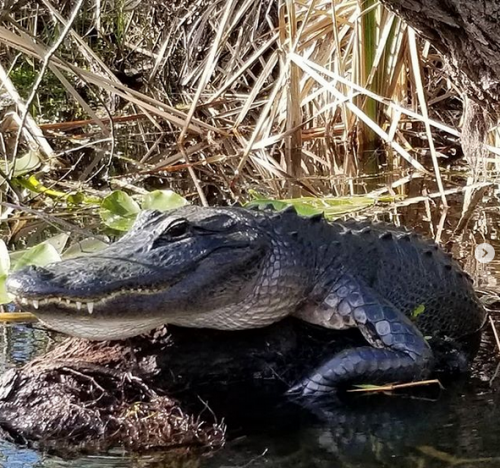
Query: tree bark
point(467, 33)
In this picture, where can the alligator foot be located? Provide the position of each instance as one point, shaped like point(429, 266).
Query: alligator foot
point(368, 365)
point(398, 350)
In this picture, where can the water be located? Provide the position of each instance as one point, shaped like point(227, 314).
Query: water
point(457, 426)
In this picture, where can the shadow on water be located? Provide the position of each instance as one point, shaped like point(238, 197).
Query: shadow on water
point(457, 426)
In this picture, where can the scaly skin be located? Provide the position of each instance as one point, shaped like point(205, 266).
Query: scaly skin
point(232, 268)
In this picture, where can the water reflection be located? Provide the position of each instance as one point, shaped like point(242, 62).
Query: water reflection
point(19, 343)
point(457, 427)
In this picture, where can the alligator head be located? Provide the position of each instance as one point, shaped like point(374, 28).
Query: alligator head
point(197, 267)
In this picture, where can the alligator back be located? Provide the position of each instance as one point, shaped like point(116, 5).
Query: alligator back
point(413, 274)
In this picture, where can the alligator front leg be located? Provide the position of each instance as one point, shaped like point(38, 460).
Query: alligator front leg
point(398, 350)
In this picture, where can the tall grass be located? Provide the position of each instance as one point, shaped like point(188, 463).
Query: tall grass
point(284, 97)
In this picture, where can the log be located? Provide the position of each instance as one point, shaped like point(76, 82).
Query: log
point(148, 392)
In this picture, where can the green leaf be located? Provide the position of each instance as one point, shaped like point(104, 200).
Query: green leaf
point(85, 247)
point(5, 297)
point(4, 259)
point(27, 163)
point(332, 207)
point(76, 198)
point(40, 255)
point(367, 386)
point(118, 211)
point(58, 241)
point(418, 310)
point(262, 203)
point(4, 270)
point(15, 256)
point(23, 165)
point(163, 200)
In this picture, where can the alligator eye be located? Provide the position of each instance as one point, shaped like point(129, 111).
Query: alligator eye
point(174, 231)
point(178, 228)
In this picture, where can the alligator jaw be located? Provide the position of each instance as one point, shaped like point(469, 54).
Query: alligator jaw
point(102, 329)
point(77, 304)
point(74, 304)
point(89, 317)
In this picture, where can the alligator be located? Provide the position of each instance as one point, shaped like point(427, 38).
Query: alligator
point(232, 268)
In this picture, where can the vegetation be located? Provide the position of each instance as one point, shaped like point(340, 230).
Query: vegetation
point(332, 106)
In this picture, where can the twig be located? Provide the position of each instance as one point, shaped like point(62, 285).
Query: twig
point(54, 221)
point(211, 62)
point(495, 333)
point(45, 65)
point(497, 340)
point(391, 387)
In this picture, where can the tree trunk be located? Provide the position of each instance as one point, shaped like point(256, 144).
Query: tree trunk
point(467, 33)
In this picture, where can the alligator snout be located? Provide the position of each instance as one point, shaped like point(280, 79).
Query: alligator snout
point(42, 273)
point(24, 280)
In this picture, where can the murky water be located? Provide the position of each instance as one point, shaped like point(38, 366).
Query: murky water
point(458, 426)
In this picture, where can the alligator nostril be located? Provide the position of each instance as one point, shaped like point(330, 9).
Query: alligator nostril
point(21, 281)
point(36, 271)
point(44, 274)
point(13, 284)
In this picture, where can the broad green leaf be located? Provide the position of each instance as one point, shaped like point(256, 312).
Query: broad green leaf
point(163, 200)
point(4, 259)
point(40, 255)
point(418, 310)
point(332, 207)
point(119, 210)
point(5, 297)
point(27, 163)
point(262, 203)
point(15, 256)
point(84, 247)
point(58, 241)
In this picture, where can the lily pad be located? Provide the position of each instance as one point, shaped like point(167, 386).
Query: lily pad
point(40, 255)
point(58, 241)
point(27, 163)
point(332, 207)
point(4, 259)
point(119, 210)
point(4, 270)
point(85, 247)
point(163, 200)
point(23, 165)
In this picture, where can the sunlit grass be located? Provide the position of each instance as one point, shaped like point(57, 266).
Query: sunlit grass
point(238, 95)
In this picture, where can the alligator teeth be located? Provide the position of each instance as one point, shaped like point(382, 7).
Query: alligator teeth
point(90, 307)
point(68, 301)
point(24, 301)
point(78, 305)
point(35, 303)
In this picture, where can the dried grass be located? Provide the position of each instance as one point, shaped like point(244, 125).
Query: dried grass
point(280, 97)
point(85, 396)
